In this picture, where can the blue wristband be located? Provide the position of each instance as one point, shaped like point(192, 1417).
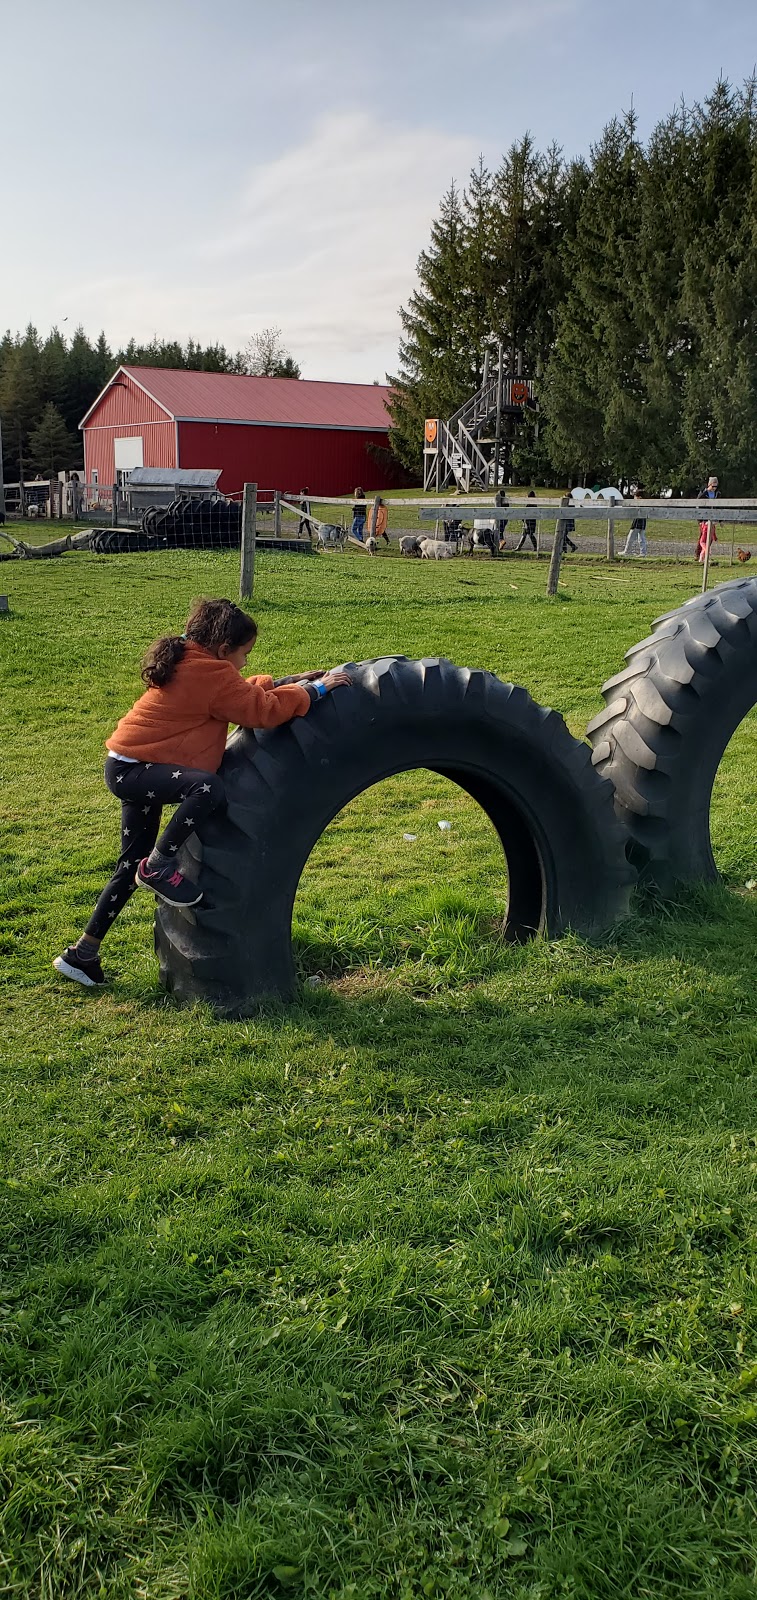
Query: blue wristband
point(321, 689)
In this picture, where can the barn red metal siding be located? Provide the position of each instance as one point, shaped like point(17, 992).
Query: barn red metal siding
point(328, 460)
point(125, 411)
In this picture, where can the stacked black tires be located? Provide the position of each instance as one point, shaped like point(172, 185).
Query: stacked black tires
point(188, 523)
point(119, 541)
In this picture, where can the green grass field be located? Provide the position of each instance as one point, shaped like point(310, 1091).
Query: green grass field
point(440, 1283)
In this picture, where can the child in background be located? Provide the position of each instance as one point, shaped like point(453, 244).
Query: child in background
point(637, 533)
point(707, 529)
point(359, 513)
point(167, 751)
point(382, 517)
point(568, 527)
point(529, 527)
point(304, 526)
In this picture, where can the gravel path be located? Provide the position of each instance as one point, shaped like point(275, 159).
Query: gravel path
point(657, 545)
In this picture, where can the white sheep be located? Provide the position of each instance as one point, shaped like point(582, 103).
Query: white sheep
point(437, 549)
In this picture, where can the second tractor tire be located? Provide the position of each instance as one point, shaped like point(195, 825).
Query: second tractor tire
point(667, 721)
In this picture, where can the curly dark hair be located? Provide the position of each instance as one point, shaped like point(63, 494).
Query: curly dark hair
point(211, 623)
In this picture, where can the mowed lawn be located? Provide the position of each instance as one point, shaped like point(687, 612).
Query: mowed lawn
point(440, 1283)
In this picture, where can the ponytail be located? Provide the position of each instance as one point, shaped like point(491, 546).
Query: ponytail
point(212, 624)
point(161, 660)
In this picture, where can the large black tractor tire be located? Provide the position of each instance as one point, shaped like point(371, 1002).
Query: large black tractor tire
point(101, 541)
point(565, 850)
point(113, 542)
point(667, 721)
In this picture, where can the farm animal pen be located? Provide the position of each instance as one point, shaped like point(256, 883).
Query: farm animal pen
point(197, 523)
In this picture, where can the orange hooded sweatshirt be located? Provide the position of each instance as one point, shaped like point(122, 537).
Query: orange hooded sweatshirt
point(187, 719)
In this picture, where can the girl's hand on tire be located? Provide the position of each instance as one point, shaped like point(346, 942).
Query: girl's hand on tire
point(336, 679)
point(307, 677)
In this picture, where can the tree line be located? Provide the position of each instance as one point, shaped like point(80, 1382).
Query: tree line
point(628, 282)
point(47, 386)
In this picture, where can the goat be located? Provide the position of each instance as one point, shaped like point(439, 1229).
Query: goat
point(409, 545)
point(330, 536)
point(371, 545)
point(483, 537)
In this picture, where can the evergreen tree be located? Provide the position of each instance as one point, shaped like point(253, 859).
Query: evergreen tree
point(53, 363)
point(52, 449)
point(83, 370)
point(666, 205)
point(517, 280)
point(104, 364)
point(489, 277)
point(719, 291)
point(480, 269)
point(20, 400)
point(158, 353)
point(556, 194)
point(439, 365)
point(592, 387)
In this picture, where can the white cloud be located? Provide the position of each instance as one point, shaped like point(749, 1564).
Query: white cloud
point(323, 244)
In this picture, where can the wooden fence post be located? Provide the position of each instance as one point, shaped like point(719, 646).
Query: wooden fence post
point(249, 515)
point(554, 565)
point(374, 517)
point(610, 539)
point(276, 513)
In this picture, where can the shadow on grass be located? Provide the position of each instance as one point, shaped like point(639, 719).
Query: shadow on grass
point(647, 1019)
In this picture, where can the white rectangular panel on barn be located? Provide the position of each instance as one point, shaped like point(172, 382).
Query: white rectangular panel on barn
point(129, 452)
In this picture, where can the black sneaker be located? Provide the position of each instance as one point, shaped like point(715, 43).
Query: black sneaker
point(72, 965)
point(168, 884)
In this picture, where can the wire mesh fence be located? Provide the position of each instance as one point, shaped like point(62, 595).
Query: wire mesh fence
point(192, 521)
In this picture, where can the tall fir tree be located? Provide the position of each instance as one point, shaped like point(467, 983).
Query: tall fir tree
point(53, 362)
point(83, 384)
point(441, 349)
point(20, 400)
point(52, 448)
point(719, 294)
point(592, 385)
point(516, 260)
point(666, 203)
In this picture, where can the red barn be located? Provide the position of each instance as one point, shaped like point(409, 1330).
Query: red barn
point(281, 433)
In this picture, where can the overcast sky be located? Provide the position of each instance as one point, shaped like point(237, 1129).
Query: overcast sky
point(213, 167)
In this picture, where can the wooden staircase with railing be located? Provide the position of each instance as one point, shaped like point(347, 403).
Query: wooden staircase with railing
point(463, 450)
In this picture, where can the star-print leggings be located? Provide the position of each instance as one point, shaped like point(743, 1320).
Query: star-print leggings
point(144, 787)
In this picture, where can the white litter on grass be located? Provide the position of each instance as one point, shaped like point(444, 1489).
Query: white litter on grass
point(445, 826)
point(411, 837)
point(313, 981)
point(751, 883)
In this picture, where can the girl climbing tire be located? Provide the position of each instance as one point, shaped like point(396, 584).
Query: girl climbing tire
point(566, 863)
point(667, 720)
